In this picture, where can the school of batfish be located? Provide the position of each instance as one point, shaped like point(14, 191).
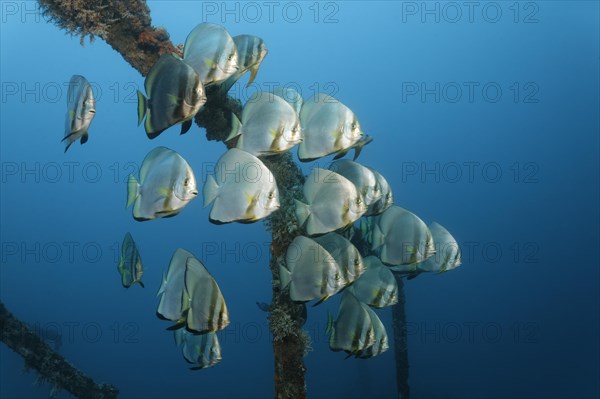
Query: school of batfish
point(320, 263)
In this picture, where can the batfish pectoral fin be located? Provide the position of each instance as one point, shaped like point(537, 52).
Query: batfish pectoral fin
point(329, 328)
point(253, 72)
point(178, 324)
point(185, 126)
point(142, 106)
point(210, 63)
point(340, 154)
point(69, 135)
point(164, 191)
point(359, 146)
point(326, 297)
point(173, 99)
point(235, 127)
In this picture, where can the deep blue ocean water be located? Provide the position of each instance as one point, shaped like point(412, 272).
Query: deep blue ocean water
point(485, 118)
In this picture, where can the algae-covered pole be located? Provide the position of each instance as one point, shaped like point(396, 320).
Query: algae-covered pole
point(400, 342)
point(51, 366)
point(124, 24)
point(290, 342)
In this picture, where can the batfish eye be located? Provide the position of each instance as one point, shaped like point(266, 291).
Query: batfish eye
point(230, 57)
point(356, 261)
point(358, 201)
point(271, 195)
point(185, 182)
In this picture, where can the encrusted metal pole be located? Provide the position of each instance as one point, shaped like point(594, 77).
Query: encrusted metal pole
point(400, 342)
point(51, 367)
point(290, 342)
point(124, 24)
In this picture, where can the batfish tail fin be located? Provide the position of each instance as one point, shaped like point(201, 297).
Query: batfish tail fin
point(133, 190)
point(302, 212)
point(210, 190)
point(142, 106)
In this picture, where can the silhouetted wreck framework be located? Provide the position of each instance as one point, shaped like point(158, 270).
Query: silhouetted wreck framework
point(51, 367)
point(126, 26)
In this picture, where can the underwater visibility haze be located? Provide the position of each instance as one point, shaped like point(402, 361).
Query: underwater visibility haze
point(147, 255)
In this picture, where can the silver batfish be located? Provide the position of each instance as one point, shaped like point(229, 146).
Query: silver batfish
point(201, 350)
point(387, 197)
point(400, 237)
point(380, 343)
point(251, 52)
point(175, 94)
point(447, 252)
point(167, 184)
point(206, 308)
point(352, 331)
point(291, 95)
point(345, 254)
point(310, 271)
point(130, 263)
point(81, 109)
point(329, 127)
point(243, 189)
point(211, 51)
point(190, 297)
point(171, 306)
point(377, 286)
point(269, 126)
point(333, 202)
point(363, 178)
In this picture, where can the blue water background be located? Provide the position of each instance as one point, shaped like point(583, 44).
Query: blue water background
point(519, 319)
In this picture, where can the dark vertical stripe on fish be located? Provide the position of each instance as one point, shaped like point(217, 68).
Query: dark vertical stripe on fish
point(212, 307)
